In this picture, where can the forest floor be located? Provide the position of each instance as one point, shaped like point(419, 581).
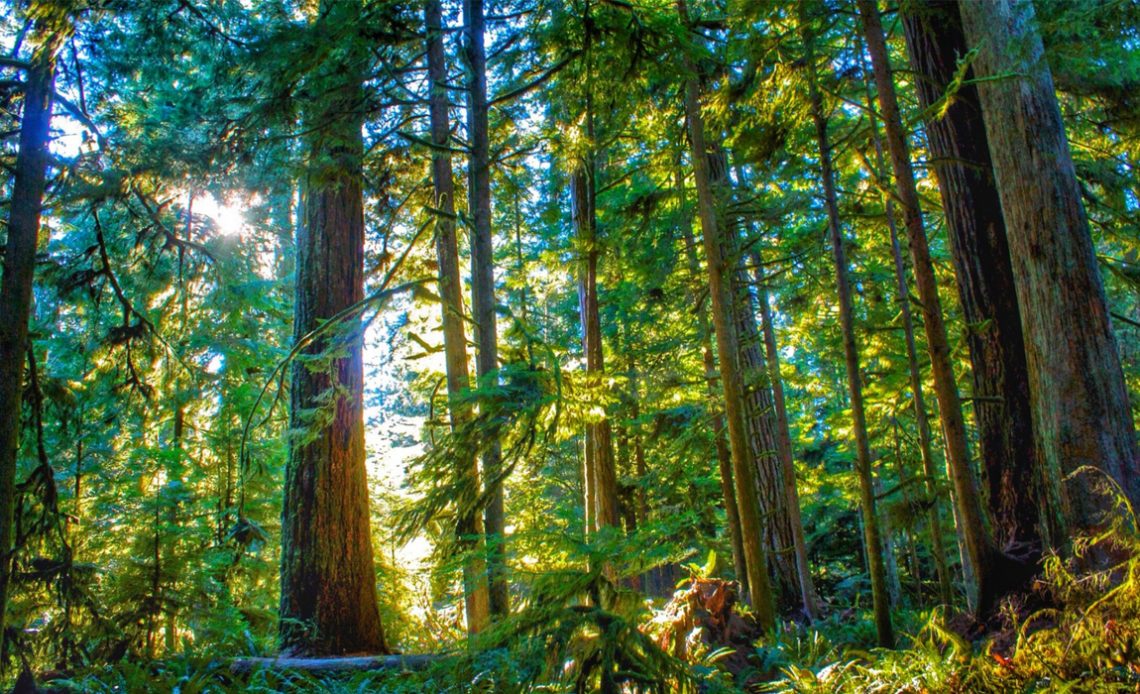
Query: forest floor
point(1073, 632)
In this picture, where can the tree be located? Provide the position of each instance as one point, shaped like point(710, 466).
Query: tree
point(328, 580)
point(601, 475)
point(708, 361)
point(921, 419)
point(989, 565)
point(959, 151)
point(872, 542)
point(25, 208)
point(752, 532)
point(469, 527)
point(1081, 414)
point(483, 283)
point(808, 593)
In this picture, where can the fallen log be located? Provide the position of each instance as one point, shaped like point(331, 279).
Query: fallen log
point(335, 664)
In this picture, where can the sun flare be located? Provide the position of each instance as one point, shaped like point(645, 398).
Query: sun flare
point(227, 215)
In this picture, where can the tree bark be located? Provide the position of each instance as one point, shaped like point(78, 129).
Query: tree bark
point(328, 580)
point(1081, 414)
point(752, 531)
point(759, 411)
point(871, 540)
point(723, 455)
point(983, 554)
point(483, 287)
point(959, 150)
point(24, 211)
point(808, 594)
point(469, 526)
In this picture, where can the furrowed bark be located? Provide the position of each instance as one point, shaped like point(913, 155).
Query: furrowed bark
point(723, 455)
point(808, 594)
point(1081, 414)
point(752, 531)
point(959, 150)
point(983, 554)
point(328, 579)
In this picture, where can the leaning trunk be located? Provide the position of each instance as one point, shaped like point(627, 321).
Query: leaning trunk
point(723, 455)
point(1081, 414)
point(921, 420)
point(960, 152)
point(983, 556)
point(751, 523)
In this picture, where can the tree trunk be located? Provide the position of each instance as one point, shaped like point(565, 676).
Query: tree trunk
point(1081, 414)
point(24, 211)
point(469, 526)
point(871, 540)
point(752, 531)
point(960, 152)
point(983, 556)
point(328, 580)
point(922, 422)
point(808, 593)
point(483, 287)
point(759, 412)
point(604, 494)
point(723, 455)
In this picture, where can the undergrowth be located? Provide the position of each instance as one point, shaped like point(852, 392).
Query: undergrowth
point(1087, 640)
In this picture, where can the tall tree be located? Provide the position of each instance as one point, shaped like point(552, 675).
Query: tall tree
point(1081, 414)
point(483, 283)
point(602, 474)
point(24, 210)
point(328, 579)
point(759, 411)
point(959, 150)
point(469, 526)
point(751, 522)
point(708, 361)
point(808, 593)
point(871, 541)
point(989, 569)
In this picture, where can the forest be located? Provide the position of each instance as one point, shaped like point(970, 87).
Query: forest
point(569, 346)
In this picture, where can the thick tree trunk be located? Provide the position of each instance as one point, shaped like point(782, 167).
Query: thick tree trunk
point(24, 211)
point(871, 541)
point(720, 287)
point(1081, 414)
point(960, 152)
point(922, 421)
point(469, 526)
point(328, 580)
point(759, 411)
point(763, 437)
point(723, 455)
point(808, 594)
point(483, 286)
point(983, 556)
